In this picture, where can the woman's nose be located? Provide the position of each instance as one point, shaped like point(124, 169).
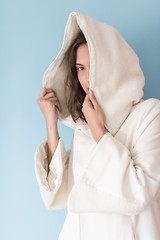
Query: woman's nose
point(87, 76)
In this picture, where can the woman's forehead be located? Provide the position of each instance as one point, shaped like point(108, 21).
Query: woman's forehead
point(82, 54)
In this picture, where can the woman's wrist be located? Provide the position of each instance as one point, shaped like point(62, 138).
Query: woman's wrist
point(99, 133)
point(51, 125)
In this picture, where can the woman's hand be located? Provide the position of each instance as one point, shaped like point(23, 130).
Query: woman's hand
point(48, 102)
point(94, 115)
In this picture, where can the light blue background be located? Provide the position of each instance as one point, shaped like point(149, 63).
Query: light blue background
point(31, 37)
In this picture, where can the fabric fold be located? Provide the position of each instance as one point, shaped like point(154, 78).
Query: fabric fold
point(118, 180)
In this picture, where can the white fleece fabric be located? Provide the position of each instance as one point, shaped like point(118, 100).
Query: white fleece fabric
point(111, 189)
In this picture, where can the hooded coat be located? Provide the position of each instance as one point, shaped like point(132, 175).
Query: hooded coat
point(111, 189)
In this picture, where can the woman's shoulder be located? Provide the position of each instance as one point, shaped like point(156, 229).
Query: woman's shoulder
point(147, 108)
point(143, 114)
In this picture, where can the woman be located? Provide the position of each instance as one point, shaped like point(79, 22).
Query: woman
point(110, 178)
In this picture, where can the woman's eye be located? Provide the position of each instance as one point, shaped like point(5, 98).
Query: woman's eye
point(79, 68)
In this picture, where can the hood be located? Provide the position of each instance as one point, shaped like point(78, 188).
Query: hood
point(115, 74)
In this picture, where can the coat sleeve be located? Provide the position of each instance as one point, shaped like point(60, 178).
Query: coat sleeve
point(118, 180)
point(52, 181)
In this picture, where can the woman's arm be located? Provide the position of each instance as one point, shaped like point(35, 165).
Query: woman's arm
point(54, 186)
point(52, 140)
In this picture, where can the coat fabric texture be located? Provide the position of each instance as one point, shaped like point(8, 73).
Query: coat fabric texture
point(111, 189)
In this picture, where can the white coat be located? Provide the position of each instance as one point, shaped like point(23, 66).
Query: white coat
point(111, 189)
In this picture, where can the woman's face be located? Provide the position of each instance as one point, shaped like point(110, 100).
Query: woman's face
point(83, 66)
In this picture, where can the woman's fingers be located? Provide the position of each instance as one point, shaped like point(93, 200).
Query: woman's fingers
point(42, 93)
point(49, 95)
point(56, 103)
point(45, 91)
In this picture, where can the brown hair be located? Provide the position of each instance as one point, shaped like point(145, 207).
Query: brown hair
point(77, 94)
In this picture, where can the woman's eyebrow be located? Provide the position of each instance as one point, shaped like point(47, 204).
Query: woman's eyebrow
point(79, 64)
